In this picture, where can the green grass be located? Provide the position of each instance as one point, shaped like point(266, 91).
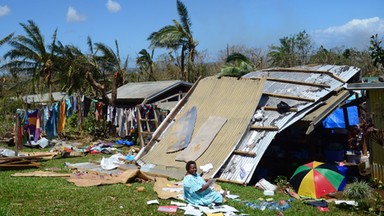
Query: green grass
point(56, 196)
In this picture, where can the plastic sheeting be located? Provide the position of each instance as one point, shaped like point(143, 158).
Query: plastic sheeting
point(337, 119)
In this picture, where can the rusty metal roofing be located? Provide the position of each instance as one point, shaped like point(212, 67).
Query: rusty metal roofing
point(147, 90)
point(232, 98)
point(301, 88)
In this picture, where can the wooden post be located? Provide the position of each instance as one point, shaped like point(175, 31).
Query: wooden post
point(17, 134)
point(80, 115)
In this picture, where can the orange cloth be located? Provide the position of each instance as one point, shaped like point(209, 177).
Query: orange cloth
point(62, 118)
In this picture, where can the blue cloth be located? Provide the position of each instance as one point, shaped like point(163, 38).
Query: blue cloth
point(129, 157)
point(124, 142)
point(51, 126)
point(193, 183)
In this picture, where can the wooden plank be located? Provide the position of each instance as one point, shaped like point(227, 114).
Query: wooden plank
point(272, 128)
point(9, 159)
point(299, 83)
point(230, 181)
point(245, 153)
point(33, 164)
point(288, 97)
point(21, 162)
point(181, 131)
point(203, 139)
point(140, 126)
point(18, 141)
point(42, 174)
point(276, 109)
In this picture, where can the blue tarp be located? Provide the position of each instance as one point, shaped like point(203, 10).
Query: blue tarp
point(336, 119)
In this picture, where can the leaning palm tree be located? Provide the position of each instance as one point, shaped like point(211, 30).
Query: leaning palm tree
point(146, 64)
point(30, 55)
point(72, 64)
point(178, 36)
point(111, 61)
point(236, 65)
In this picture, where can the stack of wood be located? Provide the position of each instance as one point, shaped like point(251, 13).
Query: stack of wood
point(29, 161)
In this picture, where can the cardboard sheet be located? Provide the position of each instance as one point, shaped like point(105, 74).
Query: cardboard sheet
point(92, 179)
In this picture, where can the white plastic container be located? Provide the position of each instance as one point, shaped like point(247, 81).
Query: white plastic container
point(269, 193)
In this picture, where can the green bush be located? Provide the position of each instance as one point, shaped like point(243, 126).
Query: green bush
point(7, 114)
point(359, 191)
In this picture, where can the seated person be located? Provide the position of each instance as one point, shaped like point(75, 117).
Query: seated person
point(197, 191)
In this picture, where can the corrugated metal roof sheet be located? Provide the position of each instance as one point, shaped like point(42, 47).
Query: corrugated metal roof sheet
point(365, 86)
point(232, 98)
point(43, 98)
point(142, 90)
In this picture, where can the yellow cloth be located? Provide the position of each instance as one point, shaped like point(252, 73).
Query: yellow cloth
point(215, 214)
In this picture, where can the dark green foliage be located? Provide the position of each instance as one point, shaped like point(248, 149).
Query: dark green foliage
point(377, 51)
point(236, 65)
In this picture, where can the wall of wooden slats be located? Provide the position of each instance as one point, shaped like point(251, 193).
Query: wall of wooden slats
point(375, 104)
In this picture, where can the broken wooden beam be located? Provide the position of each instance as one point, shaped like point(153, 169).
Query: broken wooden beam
point(289, 97)
point(244, 153)
point(33, 164)
point(16, 158)
point(230, 181)
point(277, 109)
point(320, 85)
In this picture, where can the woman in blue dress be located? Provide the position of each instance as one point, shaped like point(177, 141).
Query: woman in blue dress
point(197, 191)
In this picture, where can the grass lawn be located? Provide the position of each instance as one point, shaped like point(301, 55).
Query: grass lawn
point(56, 196)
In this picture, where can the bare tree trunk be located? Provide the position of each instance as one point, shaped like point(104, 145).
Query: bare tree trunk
point(98, 87)
point(182, 63)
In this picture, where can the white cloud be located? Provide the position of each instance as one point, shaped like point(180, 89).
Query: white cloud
point(354, 34)
point(113, 6)
point(73, 16)
point(4, 10)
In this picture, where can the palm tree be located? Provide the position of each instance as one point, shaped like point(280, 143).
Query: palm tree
point(2, 81)
point(283, 55)
point(178, 36)
point(72, 66)
point(111, 61)
point(293, 50)
point(6, 39)
point(146, 64)
point(236, 65)
point(30, 55)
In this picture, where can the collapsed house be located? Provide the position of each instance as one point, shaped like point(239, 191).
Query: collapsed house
point(157, 92)
point(141, 106)
point(251, 111)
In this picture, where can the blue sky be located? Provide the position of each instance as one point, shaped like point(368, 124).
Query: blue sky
point(215, 23)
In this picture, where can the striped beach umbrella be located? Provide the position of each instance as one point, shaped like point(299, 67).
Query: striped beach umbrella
point(316, 179)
